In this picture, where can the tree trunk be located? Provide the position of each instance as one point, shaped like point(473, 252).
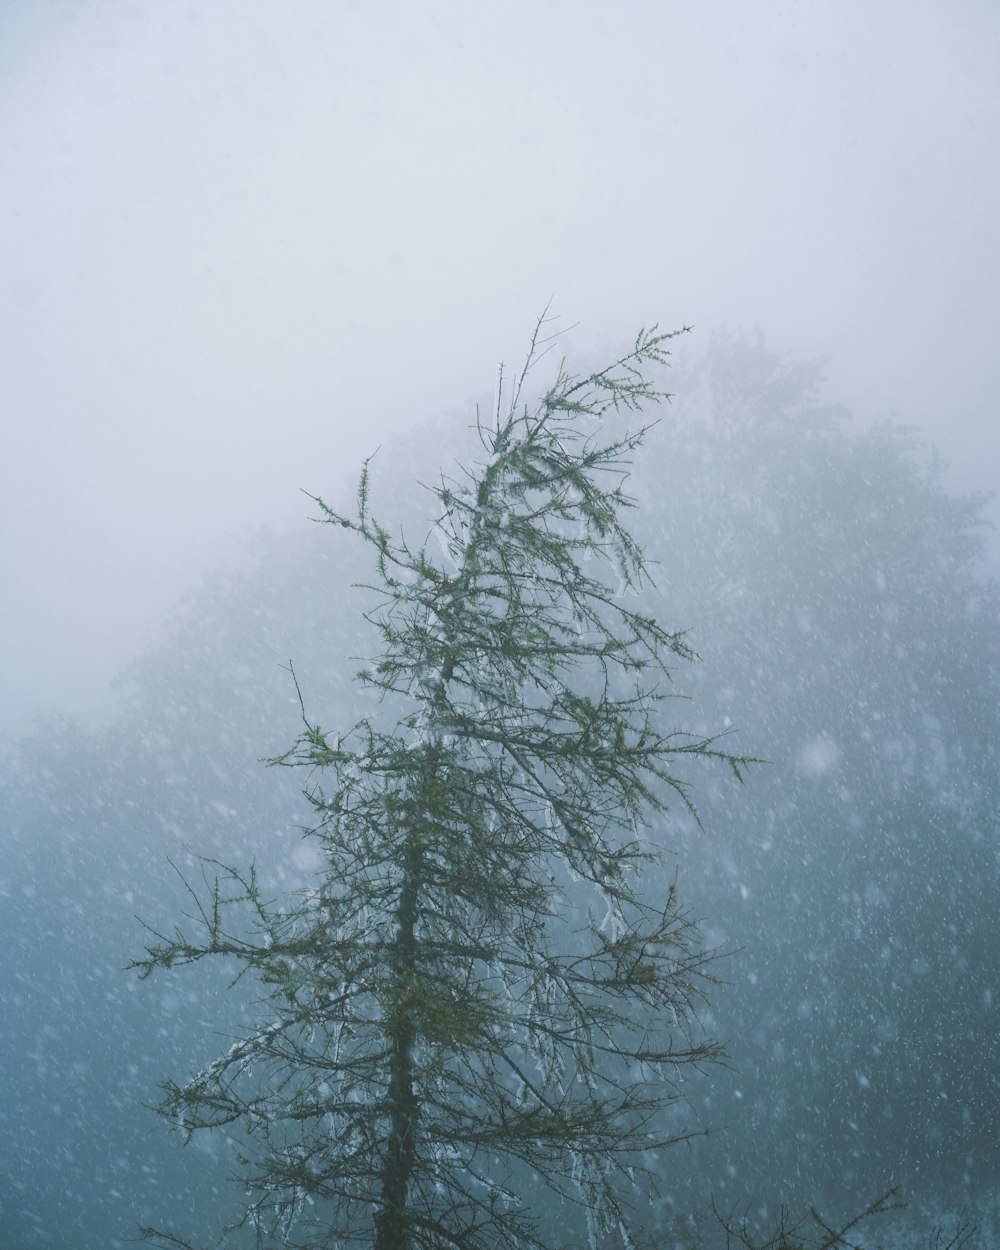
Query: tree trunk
point(391, 1224)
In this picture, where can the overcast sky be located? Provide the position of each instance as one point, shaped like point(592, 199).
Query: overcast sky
point(243, 240)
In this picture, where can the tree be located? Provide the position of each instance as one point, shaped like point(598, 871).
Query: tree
point(475, 993)
point(845, 620)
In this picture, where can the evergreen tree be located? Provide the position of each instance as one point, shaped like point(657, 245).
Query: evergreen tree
point(475, 997)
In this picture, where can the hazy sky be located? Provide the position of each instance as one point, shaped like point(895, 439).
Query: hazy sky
point(242, 240)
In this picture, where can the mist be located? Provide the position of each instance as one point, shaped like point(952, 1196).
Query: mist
point(246, 245)
point(243, 244)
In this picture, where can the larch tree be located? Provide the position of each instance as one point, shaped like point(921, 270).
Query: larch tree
point(475, 1012)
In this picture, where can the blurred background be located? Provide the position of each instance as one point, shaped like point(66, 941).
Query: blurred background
point(242, 245)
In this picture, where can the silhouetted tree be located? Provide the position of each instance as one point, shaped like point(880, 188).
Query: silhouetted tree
point(846, 623)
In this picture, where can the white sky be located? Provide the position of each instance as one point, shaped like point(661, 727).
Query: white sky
point(242, 240)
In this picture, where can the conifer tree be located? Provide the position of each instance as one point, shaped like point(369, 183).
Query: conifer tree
point(475, 1003)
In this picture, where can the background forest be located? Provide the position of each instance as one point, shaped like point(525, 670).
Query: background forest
point(243, 243)
point(833, 587)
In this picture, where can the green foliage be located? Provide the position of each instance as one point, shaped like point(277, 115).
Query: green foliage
point(475, 994)
point(815, 1233)
point(818, 1233)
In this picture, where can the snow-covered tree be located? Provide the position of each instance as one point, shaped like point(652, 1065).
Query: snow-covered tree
point(475, 1003)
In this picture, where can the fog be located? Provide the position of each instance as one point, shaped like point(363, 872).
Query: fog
point(242, 243)
point(245, 244)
